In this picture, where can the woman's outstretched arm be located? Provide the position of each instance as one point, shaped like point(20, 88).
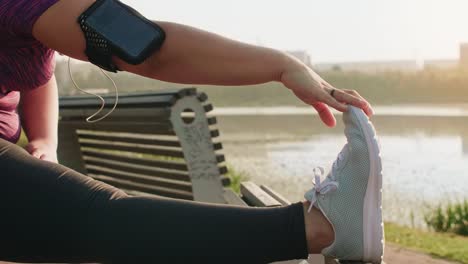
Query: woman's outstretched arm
point(39, 114)
point(195, 56)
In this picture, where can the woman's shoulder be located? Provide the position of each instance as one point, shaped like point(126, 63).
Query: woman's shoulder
point(30, 63)
point(17, 17)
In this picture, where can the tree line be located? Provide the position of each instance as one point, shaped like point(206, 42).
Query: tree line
point(430, 86)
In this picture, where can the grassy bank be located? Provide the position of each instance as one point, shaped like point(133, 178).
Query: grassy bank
point(236, 178)
point(446, 246)
point(452, 217)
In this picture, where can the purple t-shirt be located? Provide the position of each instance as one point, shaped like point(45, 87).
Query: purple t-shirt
point(25, 63)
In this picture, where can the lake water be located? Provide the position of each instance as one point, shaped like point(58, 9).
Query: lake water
point(424, 152)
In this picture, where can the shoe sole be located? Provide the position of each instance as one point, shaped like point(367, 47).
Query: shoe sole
point(372, 218)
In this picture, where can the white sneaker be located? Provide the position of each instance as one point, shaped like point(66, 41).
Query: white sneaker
point(351, 195)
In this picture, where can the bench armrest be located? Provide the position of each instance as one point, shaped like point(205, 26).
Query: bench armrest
point(256, 196)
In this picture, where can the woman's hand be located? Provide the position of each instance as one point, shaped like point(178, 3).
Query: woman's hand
point(313, 90)
point(43, 150)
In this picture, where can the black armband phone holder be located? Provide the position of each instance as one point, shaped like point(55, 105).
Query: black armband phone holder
point(112, 28)
point(97, 49)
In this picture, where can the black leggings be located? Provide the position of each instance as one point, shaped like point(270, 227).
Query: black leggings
point(49, 213)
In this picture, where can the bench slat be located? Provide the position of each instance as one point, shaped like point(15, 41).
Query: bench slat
point(145, 161)
point(225, 181)
point(220, 158)
point(157, 115)
point(256, 196)
point(275, 195)
point(176, 92)
point(124, 127)
point(136, 148)
point(223, 170)
point(145, 188)
point(202, 97)
point(137, 193)
point(135, 168)
point(212, 120)
point(125, 135)
point(129, 174)
point(133, 140)
point(232, 198)
point(149, 100)
point(208, 108)
point(217, 146)
point(148, 182)
point(214, 133)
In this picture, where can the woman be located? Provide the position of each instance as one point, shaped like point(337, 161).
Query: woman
point(53, 214)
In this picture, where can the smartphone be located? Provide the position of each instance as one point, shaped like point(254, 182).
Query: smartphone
point(130, 36)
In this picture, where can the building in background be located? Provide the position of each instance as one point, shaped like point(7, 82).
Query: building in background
point(463, 55)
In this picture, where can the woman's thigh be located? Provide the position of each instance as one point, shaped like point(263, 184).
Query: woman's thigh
point(53, 214)
point(46, 209)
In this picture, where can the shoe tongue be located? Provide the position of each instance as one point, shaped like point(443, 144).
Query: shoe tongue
point(337, 164)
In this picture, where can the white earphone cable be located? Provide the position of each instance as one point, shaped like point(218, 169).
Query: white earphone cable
point(89, 119)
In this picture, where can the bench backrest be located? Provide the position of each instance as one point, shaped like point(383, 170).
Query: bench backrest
point(158, 143)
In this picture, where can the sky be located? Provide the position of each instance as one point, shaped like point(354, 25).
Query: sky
point(330, 30)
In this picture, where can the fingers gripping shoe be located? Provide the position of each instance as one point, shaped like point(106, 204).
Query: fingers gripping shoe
point(350, 197)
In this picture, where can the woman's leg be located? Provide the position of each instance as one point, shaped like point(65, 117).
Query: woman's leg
point(53, 214)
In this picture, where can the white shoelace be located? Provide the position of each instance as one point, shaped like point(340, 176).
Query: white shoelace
point(328, 185)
